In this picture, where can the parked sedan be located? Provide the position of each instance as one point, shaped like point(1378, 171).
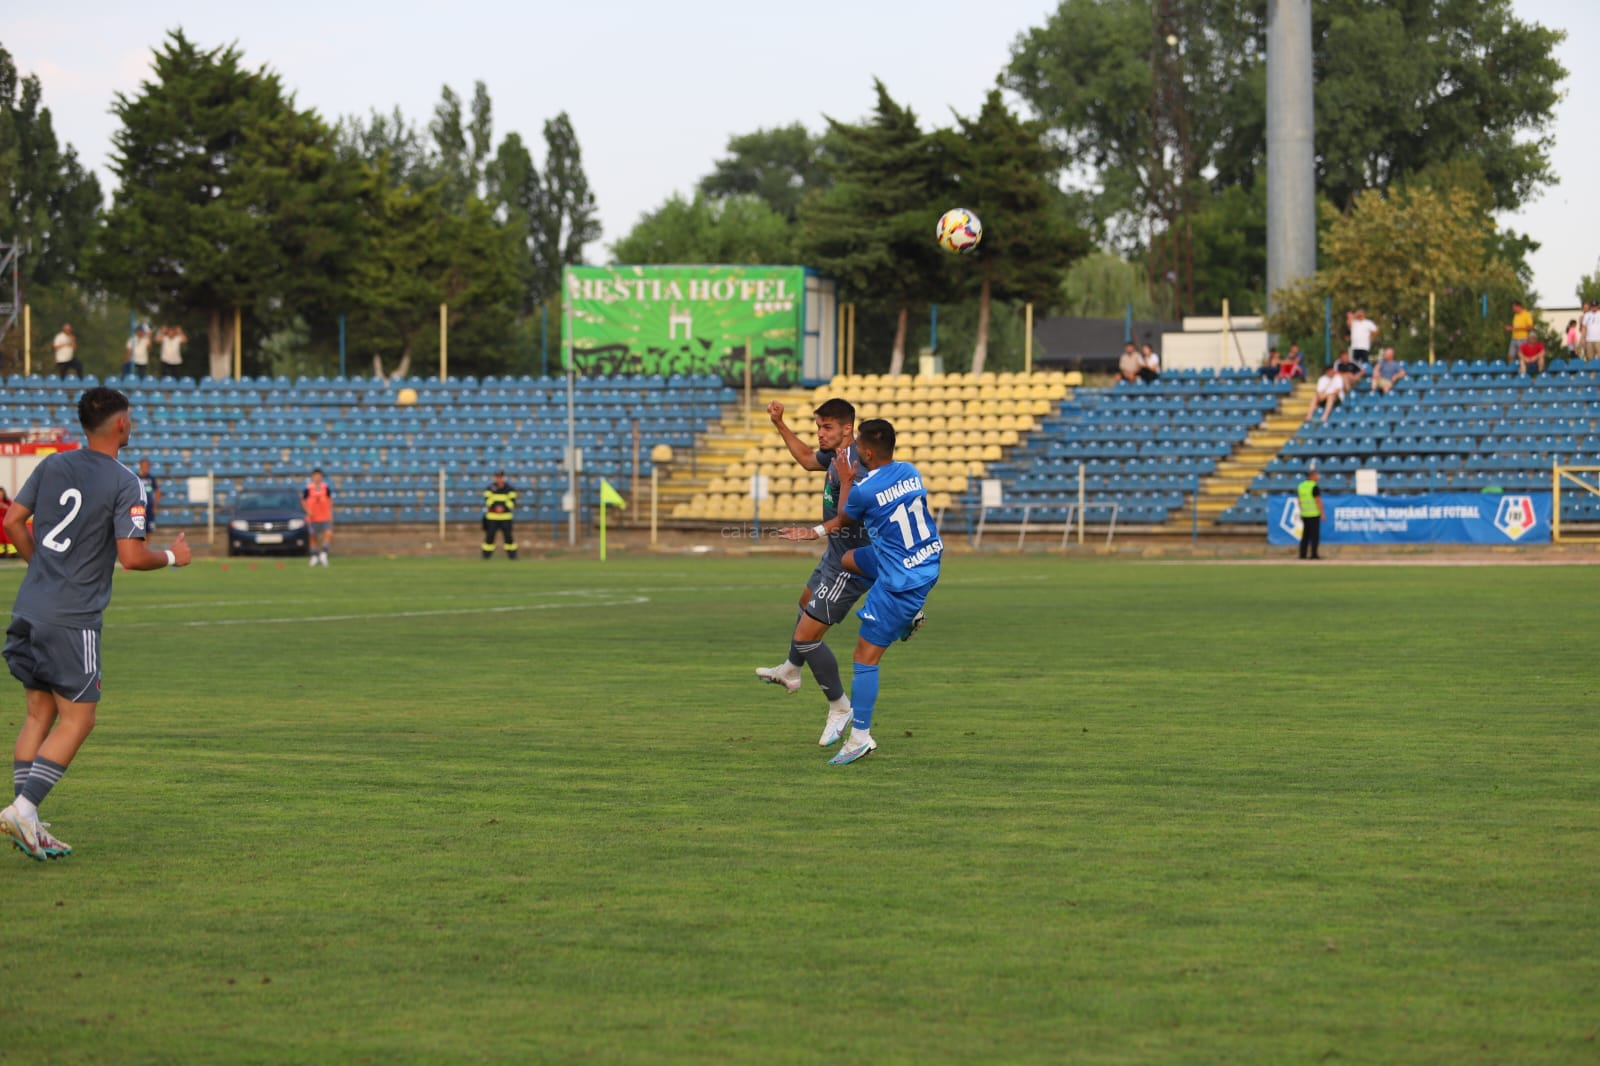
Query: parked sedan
point(268, 522)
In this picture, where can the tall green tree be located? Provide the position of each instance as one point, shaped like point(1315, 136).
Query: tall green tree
point(1005, 172)
point(49, 204)
point(780, 166)
point(1401, 87)
point(1434, 238)
point(417, 255)
point(566, 219)
point(392, 140)
point(730, 229)
point(229, 197)
point(873, 228)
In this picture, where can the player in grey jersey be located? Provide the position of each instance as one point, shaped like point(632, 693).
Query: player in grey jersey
point(832, 590)
point(88, 514)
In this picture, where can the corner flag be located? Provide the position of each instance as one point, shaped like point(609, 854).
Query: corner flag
point(608, 497)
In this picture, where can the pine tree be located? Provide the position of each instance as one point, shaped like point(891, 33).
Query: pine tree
point(229, 197)
point(1004, 173)
point(873, 230)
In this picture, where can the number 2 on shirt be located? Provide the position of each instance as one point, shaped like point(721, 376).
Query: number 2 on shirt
point(50, 541)
point(902, 516)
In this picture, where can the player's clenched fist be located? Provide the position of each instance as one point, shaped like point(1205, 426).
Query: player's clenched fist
point(180, 551)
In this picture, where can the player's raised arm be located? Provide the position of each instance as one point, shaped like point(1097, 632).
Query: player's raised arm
point(134, 555)
point(798, 448)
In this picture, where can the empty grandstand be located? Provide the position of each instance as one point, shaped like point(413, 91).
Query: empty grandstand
point(385, 456)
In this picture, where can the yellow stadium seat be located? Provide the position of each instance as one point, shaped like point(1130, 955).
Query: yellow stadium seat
point(1008, 437)
point(992, 453)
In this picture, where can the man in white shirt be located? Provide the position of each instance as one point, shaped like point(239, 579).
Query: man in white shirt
point(66, 346)
point(1330, 390)
point(138, 354)
point(1590, 323)
point(1362, 330)
point(172, 339)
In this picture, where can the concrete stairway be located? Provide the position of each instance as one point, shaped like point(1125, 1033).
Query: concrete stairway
point(1234, 474)
point(725, 441)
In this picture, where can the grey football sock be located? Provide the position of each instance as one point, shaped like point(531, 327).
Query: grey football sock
point(19, 776)
point(824, 667)
point(41, 779)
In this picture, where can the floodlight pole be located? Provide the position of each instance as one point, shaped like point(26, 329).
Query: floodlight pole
point(572, 425)
point(1291, 159)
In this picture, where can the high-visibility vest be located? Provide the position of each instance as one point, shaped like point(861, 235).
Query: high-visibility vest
point(319, 502)
point(1309, 505)
point(500, 504)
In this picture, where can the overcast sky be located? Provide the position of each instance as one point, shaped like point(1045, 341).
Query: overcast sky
point(655, 89)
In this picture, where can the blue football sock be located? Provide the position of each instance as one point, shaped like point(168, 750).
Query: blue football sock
point(863, 694)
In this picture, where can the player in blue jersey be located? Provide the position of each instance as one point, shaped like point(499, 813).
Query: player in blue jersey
point(88, 513)
point(901, 561)
point(832, 590)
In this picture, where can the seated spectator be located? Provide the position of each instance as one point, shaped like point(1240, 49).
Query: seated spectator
point(1151, 368)
point(1129, 365)
point(1532, 352)
point(1270, 369)
point(1330, 390)
point(1353, 371)
point(1388, 373)
point(1294, 365)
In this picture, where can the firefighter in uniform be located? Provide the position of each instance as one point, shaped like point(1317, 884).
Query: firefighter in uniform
point(499, 515)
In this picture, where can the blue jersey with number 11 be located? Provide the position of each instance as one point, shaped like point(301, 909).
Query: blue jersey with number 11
point(891, 502)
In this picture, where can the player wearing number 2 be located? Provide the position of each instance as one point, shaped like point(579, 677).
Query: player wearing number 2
point(89, 510)
point(902, 562)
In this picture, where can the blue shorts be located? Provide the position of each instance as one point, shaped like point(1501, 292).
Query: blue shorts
point(887, 615)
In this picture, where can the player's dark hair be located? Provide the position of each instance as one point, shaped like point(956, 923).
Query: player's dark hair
point(838, 410)
point(877, 434)
point(99, 405)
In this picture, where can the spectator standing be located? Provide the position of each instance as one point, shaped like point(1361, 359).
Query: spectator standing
point(66, 347)
point(1388, 373)
point(1310, 494)
point(1362, 330)
point(1520, 329)
point(500, 516)
point(1150, 369)
point(152, 495)
point(1590, 323)
point(1573, 338)
point(317, 499)
point(1330, 390)
point(172, 339)
point(138, 363)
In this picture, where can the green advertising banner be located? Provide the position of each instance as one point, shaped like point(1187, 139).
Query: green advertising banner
point(686, 320)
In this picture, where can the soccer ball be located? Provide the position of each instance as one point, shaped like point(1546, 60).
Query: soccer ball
point(959, 230)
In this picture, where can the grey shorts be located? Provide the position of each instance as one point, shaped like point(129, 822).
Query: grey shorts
point(50, 658)
point(834, 591)
point(319, 529)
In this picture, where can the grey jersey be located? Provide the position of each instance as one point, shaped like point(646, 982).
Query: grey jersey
point(851, 536)
point(83, 502)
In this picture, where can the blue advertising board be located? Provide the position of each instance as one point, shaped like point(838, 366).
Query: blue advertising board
point(1442, 518)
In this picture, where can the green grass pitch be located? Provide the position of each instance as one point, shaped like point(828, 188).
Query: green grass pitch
point(445, 810)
